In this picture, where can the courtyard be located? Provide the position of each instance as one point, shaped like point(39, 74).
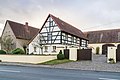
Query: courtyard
point(98, 63)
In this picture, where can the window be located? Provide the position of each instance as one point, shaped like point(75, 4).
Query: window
point(83, 43)
point(34, 49)
point(49, 37)
point(46, 48)
point(54, 48)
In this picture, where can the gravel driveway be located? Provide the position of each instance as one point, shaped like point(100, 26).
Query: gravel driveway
point(98, 63)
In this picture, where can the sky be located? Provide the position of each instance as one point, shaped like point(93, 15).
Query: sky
point(86, 15)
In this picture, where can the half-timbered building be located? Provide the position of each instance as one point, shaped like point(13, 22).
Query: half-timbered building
point(56, 35)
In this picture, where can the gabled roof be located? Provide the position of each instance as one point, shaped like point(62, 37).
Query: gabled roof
point(103, 36)
point(65, 27)
point(20, 31)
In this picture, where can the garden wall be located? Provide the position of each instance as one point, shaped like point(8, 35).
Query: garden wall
point(27, 58)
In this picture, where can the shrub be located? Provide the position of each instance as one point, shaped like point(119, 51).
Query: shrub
point(2, 52)
point(18, 51)
point(97, 50)
point(60, 56)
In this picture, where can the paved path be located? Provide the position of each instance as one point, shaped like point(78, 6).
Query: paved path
point(32, 73)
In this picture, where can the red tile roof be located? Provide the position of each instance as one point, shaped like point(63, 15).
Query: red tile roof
point(103, 36)
point(22, 31)
point(65, 27)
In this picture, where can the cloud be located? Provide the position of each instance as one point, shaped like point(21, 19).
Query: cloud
point(80, 13)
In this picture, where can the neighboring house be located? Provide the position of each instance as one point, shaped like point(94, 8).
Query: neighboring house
point(56, 35)
point(20, 33)
point(103, 39)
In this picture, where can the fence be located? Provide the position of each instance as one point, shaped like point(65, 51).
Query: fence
point(81, 54)
point(84, 54)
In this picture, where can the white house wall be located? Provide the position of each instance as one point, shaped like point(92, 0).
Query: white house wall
point(8, 32)
point(49, 50)
point(32, 45)
point(94, 46)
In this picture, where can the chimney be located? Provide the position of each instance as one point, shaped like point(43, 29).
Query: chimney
point(26, 27)
point(26, 23)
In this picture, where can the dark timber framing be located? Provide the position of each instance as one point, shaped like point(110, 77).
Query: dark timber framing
point(52, 34)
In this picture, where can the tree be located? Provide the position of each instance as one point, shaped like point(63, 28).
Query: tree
point(7, 43)
point(39, 43)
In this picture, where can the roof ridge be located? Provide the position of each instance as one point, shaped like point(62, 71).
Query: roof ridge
point(102, 30)
point(21, 24)
point(14, 22)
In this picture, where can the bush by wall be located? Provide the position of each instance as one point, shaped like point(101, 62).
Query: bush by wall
point(2, 52)
point(60, 56)
point(18, 51)
point(97, 50)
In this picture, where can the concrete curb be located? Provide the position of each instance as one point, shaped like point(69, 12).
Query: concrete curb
point(49, 66)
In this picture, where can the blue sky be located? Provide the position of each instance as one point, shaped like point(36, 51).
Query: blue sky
point(86, 15)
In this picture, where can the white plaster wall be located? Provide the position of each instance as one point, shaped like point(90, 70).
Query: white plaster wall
point(26, 58)
point(8, 31)
point(111, 53)
point(31, 46)
point(50, 48)
point(58, 48)
point(73, 54)
point(94, 46)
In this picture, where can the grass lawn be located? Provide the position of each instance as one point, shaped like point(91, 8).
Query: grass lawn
point(55, 61)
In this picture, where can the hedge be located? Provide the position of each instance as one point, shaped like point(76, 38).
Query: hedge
point(18, 51)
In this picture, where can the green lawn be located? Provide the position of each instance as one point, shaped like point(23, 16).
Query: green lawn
point(55, 61)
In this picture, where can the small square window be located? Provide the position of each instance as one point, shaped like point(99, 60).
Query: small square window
point(54, 49)
point(34, 49)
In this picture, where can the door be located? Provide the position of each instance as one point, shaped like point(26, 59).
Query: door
point(104, 49)
point(118, 53)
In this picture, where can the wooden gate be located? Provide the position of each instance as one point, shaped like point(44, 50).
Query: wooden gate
point(66, 53)
point(104, 49)
point(118, 53)
point(84, 54)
